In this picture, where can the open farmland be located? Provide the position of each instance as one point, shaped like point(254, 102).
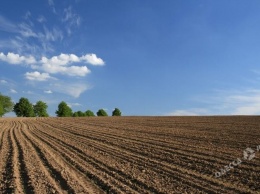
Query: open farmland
point(128, 155)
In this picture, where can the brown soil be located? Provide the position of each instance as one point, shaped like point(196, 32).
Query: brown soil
point(129, 155)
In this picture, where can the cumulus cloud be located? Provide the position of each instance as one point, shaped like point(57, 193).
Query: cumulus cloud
point(57, 64)
point(61, 64)
point(92, 59)
point(37, 76)
point(65, 59)
point(17, 59)
point(61, 60)
point(71, 70)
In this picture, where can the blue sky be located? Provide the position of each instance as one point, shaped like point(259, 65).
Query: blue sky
point(148, 57)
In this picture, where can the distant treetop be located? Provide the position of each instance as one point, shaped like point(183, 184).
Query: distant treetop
point(101, 112)
point(116, 112)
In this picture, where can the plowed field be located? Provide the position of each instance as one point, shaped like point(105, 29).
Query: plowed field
point(130, 155)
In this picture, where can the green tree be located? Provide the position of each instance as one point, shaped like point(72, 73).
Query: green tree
point(75, 114)
point(6, 104)
point(40, 109)
point(24, 108)
point(89, 113)
point(79, 114)
point(101, 112)
point(1, 110)
point(63, 110)
point(116, 112)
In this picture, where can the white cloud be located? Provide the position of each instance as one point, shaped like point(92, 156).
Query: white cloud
point(3, 81)
point(26, 31)
point(92, 59)
point(61, 64)
point(75, 90)
point(71, 70)
point(28, 92)
point(74, 104)
point(65, 59)
point(27, 15)
point(72, 89)
point(51, 3)
point(242, 102)
point(22, 46)
point(37, 76)
point(253, 109)
point(48, 91)
point(13, 91)
point(41, 19)
point(17, 59)
point(77, 71)
point(54, 65)
point(188, 112)
point(71, 19)
point(6, 25)
point(23, 29)
point(246, 102)
point(51, 35)
point(61, 60)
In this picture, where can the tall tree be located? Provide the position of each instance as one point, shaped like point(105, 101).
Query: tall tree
point(101, 112)
point(89, 113)
point(64, 110)
point(24, 108)
point(6, 104)
point(40, 109)
point(116, 112)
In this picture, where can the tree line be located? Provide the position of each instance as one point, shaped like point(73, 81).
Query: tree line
point(24, 108)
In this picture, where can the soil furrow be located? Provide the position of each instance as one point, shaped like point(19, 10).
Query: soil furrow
point(8, 172)
point(188, 160)
point(66, 153)
point(65, 173)
point(192, 152)
point(41, 175)
point(130, 155)
point(21, 176)
point(157, 167)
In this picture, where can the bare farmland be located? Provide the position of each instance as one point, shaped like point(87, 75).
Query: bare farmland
point(129, 155)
